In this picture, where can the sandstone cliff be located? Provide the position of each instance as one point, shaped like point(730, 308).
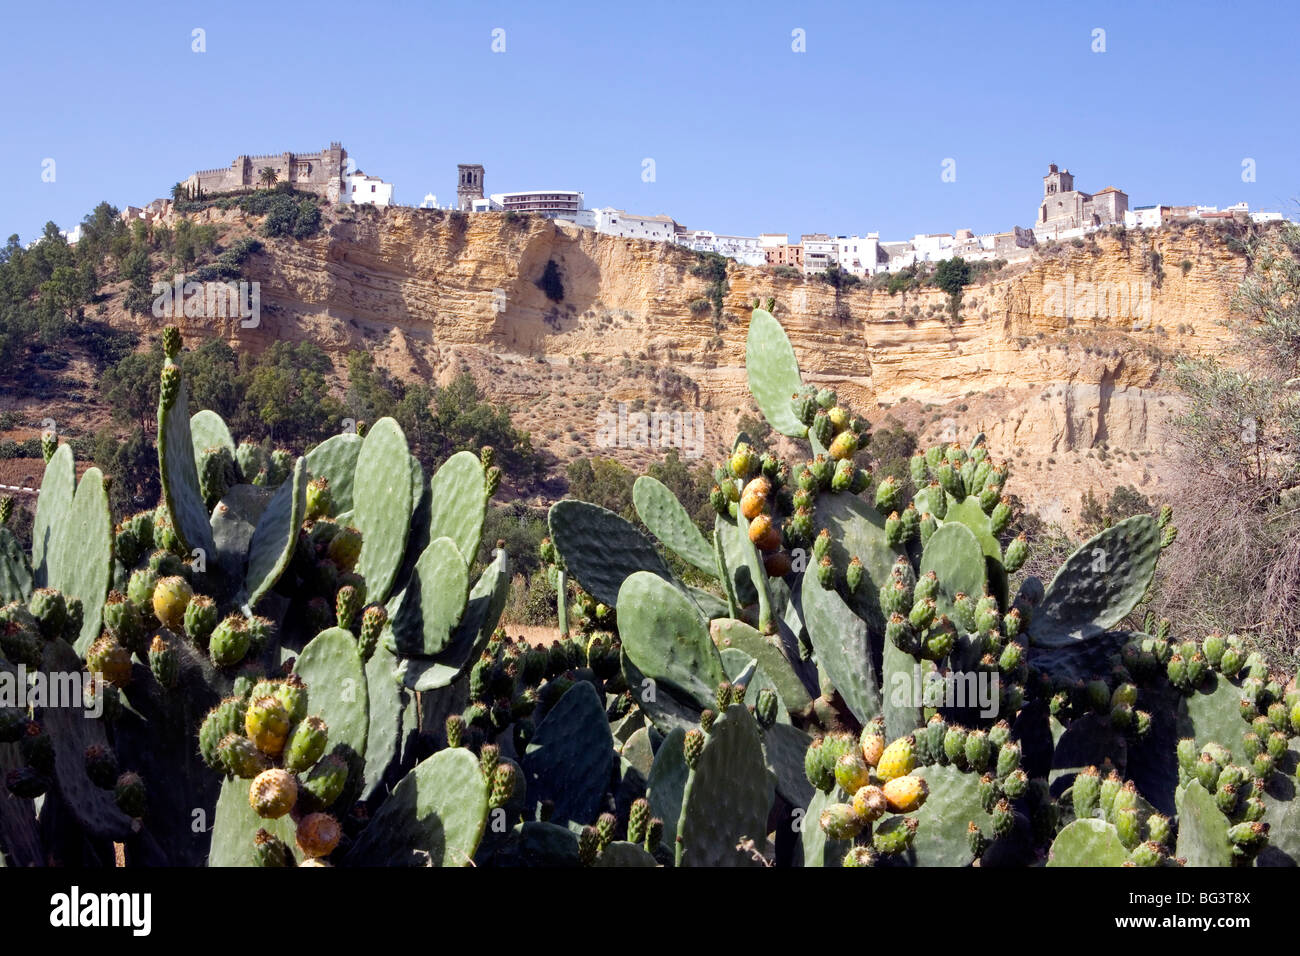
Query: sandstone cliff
point(1063, 362)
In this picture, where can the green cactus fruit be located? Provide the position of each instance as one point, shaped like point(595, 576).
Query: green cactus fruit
point(588, 846)
point(894, 836)
point(765, 709)
point(1016, 553)
point(843, 476)
point(894, 530)
point(373, 621)
point(822, 429)
point(927, 527)
point(939, 640)
point(839, 822)
point(347, 605)
point(954, 746)
point(1150, 853)
point(1016, 784)
point(1248, 837)
point(109, 659)
point(292, 694)
point(1004, 819)
point(1008, 759)
point(1085, 793)
point(169, 386)
point(927, 586)
point(506, 780)
point(804, 408)
point(923, 611)
point(344, 549)
point(240, 758)
point(325, 782)
point(919, 470)
point(976, 840)
point(226, 718)
point(1197, 670)
point(306, 744)
point(320, 500)
point(229, 642)
point(889, 495)
point(6, 509)
point(852, 772)
point(139, 589)
point(860, 856)
point(826, 573)
point(823, 469)
point(815, 769)
point(1226, 798)
point(129, 795)
point(1110, 788)
point(692, 746)
point(1232, 661)
point(170, 598)
point(267, 725)
point(273, 793)
point(1207, 772)
point(1188, 755)
point(1168, 536)
point(1177, 672)
point(1275, 745)
point(50, 610)
point(271, 851)
point(171, 342)
point(1279, 716)
point(990, 792)
point(744, 462)
point(899, 633)
point(707, 716)
point(826, 398)
point(1213, 647)
point(606, 830)
point(979, 751)
point(164, 662)
point(844, 446)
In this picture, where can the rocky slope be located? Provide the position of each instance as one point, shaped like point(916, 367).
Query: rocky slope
point(1063, 362)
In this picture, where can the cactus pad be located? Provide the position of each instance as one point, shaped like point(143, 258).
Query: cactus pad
point(773, 373)
point(52, 508)
point(728, 795)
point(1099, 584)
point(458, 503)
point(208, 430)
point(665, 638)
point(571, 755)
point(771, 658)
point(82, 563)
point(842, 643)
point(434, 817)
point(15, 572)
point(668, 521)
point(600, 549)
point(180, 476)
point(272, 544)
point(426, 613)
point(384, 503)
point(1087, 843)
point(335, 459)
point(1202, 829)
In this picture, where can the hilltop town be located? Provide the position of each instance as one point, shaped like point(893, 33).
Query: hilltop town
point(1063, 213)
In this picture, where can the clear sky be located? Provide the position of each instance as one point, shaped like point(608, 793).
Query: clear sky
point(746, 134)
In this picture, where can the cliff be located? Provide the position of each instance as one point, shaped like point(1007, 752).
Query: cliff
point(1062, 362)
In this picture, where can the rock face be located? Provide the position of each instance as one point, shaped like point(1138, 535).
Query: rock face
point(1062, 362)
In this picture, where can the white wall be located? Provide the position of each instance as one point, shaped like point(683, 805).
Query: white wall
point(368, 190)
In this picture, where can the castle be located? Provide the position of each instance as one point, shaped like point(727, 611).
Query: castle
point(322, 173)
point(1063, 207)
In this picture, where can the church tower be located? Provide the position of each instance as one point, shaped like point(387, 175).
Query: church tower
point(469, 185)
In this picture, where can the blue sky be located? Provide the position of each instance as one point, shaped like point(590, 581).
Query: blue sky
point(746, 134)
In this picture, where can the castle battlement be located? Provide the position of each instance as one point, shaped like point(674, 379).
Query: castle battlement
point(321, 172)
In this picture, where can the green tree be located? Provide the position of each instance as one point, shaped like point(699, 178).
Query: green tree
point(604, 482)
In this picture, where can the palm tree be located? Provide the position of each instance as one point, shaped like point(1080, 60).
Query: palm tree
point(267, 175)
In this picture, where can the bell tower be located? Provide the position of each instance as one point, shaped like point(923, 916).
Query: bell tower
point(469, 185)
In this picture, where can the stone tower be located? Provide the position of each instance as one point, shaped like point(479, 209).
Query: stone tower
point(469, 185)
point(1057, 181)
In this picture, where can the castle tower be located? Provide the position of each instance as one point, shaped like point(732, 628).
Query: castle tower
point(469, 185)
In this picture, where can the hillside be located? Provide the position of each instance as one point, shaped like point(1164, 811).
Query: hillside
point(1076, 403)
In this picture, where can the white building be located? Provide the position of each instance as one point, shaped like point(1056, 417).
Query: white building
point(1147, 217)
point(820, 252)
point(551, 203)
point(932, 247)
point(361, 189)
point(618, 222)
point(745, 249)
point(860, 255)
point(1266, 217)
point(770, 240)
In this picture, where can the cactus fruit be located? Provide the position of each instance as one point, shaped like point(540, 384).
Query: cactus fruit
point(764, 534)
point(110, 660)
point(129, 795)
point(271, 851)
point(979, 751)
point(744, 462)
point(101, 766)
point(872, 742)
point(273, 793)
point(140, 587)
point(240, 758)
point(1004, 819)
point(905, 794)
point(754, 499)
point(859, 856)
point(898, 759)
point(895, 835)
point(306, 744)
point(840, 822)
point(1150, 853)
point(344, 549)
point(226, 718)
point(852, 772)
point(693, 746)
point(638, 820)
point(1016, 553)
point(325, 782)
point(888, 495)
point(870, 803)
point(163, 662)
point(1086, 793)
point(267, 725)
point(50, 610)
point(1110, 788)
point(26, 783)
point(170, 598)
point(765, 709)
point(229, 641)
